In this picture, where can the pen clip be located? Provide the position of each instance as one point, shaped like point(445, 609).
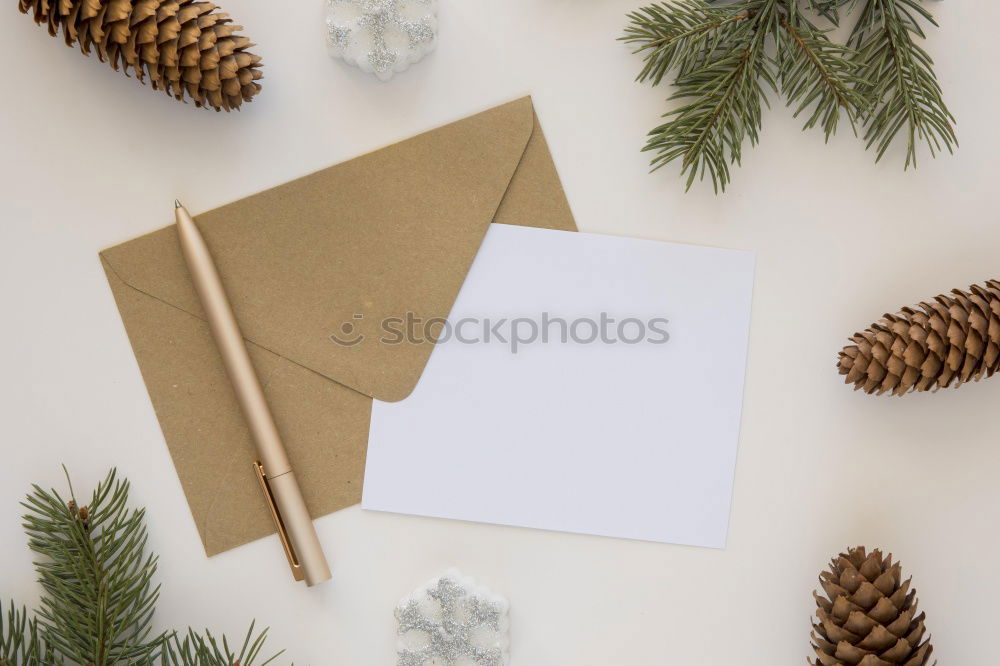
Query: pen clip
point(265, 487)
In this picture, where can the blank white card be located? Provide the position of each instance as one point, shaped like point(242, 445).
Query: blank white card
point(582, 383)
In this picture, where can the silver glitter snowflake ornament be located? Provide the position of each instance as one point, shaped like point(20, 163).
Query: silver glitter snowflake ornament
point(451, 621)
point(381, 36)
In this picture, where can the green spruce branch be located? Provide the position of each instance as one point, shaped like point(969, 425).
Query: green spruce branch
point(898, 77)
point(204, 650)
point(721, 90)
point(681, 37)
point(99, 598)
point(20, 642)
point(817, 74)
point(829, 9)
point(724, 57)
point(98, 594)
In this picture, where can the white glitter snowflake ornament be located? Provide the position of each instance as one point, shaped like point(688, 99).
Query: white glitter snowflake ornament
point(381, 36)
point(451, 621)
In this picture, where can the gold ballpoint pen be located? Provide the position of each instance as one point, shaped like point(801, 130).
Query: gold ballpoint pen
point(273, 471)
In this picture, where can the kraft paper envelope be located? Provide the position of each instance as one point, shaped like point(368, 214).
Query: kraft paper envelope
point(387, 233)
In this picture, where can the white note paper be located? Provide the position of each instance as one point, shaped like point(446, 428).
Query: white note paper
point(627, 435)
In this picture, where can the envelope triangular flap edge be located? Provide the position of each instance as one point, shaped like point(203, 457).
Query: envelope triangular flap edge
point(340, 252)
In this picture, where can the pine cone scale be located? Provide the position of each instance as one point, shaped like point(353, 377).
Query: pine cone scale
point(872, 660)
point(141, 11)
point(901, 624)
point(900, 649)
point(860, 625)
point(115, 10)
point(184, 47)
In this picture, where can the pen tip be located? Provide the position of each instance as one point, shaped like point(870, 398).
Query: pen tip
point(177, 204)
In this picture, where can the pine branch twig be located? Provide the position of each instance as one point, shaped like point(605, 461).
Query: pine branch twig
point(723, 99)
point(829, 9)
point(99, 597)
point(204, 650)
point(98, 593)
point(681, 36)
point(900, 80)
point(724, 55)
point(817, 73)
point(20, 643)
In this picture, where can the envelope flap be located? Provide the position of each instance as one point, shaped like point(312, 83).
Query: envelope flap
point(322, 270)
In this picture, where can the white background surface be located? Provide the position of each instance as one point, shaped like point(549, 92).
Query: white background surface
point(635, 437)
point(91, 159)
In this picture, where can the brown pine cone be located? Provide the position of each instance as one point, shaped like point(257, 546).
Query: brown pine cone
point(183, 46)
point(868, 616)
point(948, 342)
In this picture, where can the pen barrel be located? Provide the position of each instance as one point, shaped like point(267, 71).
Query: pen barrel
point(300, 529)
point(293, 515)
